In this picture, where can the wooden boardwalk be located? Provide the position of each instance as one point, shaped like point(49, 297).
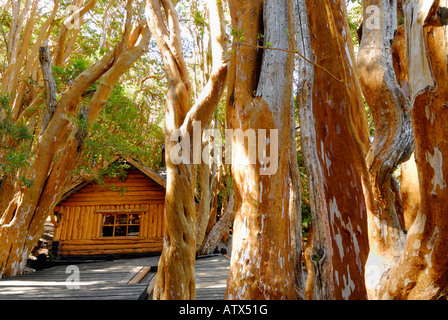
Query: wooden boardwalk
point(211, 277)
point(123, 279)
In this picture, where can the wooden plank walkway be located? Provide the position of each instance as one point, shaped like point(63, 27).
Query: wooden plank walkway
point(122, 279)
point(97, 281)
point(211, 277)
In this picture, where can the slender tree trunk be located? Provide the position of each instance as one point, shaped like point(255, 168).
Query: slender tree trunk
point(304, 104)
point(295, 212)
point(175, 276)
point(220, 228)
point(260, 95)
point(409, 187)
point(208, 184)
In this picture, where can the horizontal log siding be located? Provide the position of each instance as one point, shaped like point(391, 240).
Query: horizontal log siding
point(79, 231)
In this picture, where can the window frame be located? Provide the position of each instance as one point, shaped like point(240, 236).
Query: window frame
point(115, 213)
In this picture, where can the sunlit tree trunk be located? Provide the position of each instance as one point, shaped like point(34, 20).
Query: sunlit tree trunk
point(260, 95)
point(71, 22)
point(393, 141)
point(175, 276)
point(335, 139)
point(409, 187)
point(410, 191)
point(421, 271)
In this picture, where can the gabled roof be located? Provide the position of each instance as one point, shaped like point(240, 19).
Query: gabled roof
point(158, 177)
point(147, 172)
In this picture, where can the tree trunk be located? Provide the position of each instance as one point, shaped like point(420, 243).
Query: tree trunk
point(335, 137)
point(421, 272)
point(409, 187)
point(207, 183)
point(175, 276)
point(393, 143)
point(260, 95)
point(410, 192)
point(219, 229)
point(295, 212)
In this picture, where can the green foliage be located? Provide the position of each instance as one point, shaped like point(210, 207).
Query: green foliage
point(64, 76)
point(15, 145)
point(116, 169)
point(238, 35)
point(305, 207)
point(123, 128)
point(355, 19)
point(199, 21)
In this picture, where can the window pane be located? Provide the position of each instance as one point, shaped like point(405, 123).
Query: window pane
point(133, 231)
point(134, 219)
point(120, 231)
point(122, 219)
point(117, 224)
point(107, 232)
point(108, 219)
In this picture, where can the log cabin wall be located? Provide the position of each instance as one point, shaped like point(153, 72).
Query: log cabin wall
point(87, 225)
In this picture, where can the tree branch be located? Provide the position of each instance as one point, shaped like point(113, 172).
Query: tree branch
point(50, 85)
point(213, 90)
point(124, 61)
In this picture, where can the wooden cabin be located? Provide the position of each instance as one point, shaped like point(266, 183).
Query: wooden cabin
point(95, 219)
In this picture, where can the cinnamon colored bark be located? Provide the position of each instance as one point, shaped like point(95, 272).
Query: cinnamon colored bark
point(339, 131)
point(409, 187)
point(421, 271)
point(393, 141)
point(259, 97)
point(175, 276)
point(410, 191)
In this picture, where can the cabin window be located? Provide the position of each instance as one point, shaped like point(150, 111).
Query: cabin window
point(118, 224)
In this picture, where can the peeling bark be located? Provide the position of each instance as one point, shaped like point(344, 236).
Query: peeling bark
point(338, 139)
point(319, 284)
point(410, 191)
point(393, 141)
point(421, 272)
point(260, 95)
point(175, 276)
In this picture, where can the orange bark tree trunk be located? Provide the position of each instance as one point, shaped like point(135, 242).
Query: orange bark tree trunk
point(175, 276)
point(393, 141)
point(421, 272)
point(335, 139)
point(259, 104)
point(409, 187)
point(219, 229)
